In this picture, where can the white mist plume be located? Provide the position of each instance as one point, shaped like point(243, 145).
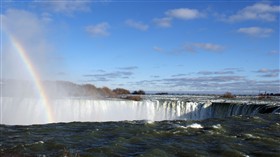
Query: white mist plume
point(29, 31)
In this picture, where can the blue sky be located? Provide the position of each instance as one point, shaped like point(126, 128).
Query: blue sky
point(193, 46)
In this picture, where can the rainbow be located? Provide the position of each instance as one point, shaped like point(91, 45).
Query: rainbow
point(36, 78)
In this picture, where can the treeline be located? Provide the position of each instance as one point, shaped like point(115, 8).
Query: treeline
point(267, 95)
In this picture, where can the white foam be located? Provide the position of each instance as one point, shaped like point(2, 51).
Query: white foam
point(218, 126)
point(35, 143)
point(195, 126)
point(252, 136)
point(39, 142)
point(150, 122)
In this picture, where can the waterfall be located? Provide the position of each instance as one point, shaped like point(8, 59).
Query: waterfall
point(25, 111)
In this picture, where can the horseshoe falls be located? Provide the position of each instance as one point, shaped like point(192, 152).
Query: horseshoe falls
point(27, 111)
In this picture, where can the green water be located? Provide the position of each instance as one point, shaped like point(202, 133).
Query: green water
point(257, 135)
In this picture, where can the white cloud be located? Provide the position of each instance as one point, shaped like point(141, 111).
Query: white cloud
point(158, 49)
point(263, 70)
point(67, 7)
point(258, 11)
point(46, 17)
point(268, 72)
point(110, 76)
point(215, 84)
point(221, 72)
point(100, 29)
point(184, 13)
point(194, 47)
point(208, 46)
point(163, 22)
point(128, 68)
point(137, 25)
point(180, 13)
point(274, 52)
point(256, 31)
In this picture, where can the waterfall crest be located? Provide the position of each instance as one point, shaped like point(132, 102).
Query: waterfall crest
point(27, 111)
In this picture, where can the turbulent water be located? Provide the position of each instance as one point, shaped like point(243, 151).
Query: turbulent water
point(156, 126)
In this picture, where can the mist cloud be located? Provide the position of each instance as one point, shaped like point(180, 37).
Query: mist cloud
point(29, 31)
